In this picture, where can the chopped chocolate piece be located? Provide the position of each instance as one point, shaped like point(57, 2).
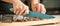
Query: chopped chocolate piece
point(19, 20)
point(25, 20)
point(38, 18)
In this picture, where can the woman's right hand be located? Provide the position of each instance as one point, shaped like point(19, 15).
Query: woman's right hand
point(20, 8)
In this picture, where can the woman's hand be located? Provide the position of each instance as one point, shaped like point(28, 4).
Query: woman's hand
point(38, 7)
point(20, 8)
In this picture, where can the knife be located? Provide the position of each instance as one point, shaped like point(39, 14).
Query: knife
point(34, 14)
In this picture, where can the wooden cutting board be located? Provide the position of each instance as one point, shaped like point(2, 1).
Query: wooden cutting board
point(29, 23)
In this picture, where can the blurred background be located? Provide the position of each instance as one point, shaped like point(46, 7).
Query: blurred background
point(52, 7)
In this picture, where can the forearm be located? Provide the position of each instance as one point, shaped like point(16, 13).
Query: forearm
point(11, 1)
point(35, 1)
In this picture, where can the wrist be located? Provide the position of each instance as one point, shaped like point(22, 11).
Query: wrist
point(34, 4)
point(34, 1)
point(16, 1)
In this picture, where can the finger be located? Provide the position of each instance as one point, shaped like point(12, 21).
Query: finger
point(27, 10)
point(24, 13)
point(18, 11)
point(38, 8)
point(15, 11)
point(15, 8)
point(21, 12)
point(43, 9)
point(34, 8)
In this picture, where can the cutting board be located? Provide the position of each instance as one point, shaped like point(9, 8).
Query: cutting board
point(30, 23)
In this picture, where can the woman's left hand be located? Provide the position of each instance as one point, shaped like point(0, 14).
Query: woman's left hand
point(38, 7)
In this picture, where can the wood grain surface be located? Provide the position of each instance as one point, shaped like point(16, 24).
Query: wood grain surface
point(45, 21)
